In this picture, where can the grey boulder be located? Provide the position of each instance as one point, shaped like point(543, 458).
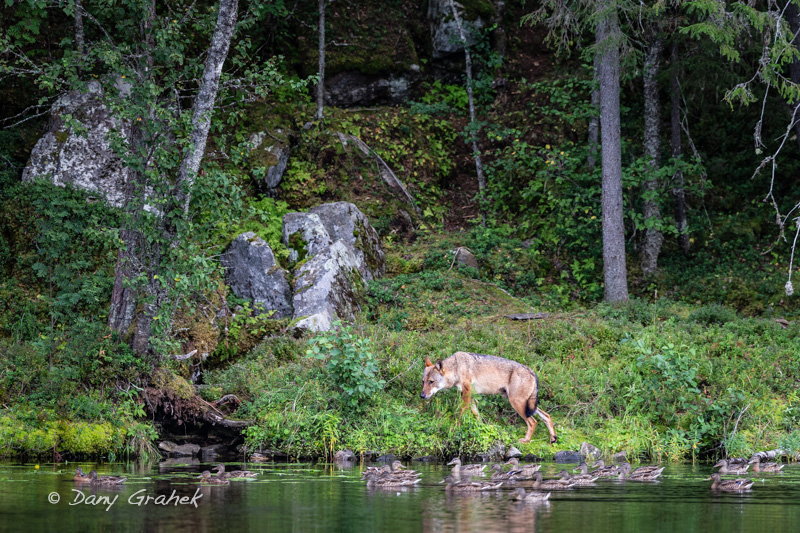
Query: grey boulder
point(85, 160)
point(253, 273)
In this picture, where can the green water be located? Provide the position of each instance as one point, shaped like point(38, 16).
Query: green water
point(308, 497)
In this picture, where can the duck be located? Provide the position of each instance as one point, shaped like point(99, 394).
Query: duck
point(604, 471)
point(758, 466)
point(550, 484)
point(222, 474)
point(402, 471)
point(729, 485)
point(377, 479)
point(467, 485)
point(80, 477)
point(642, 469)
point(647, 474)
point(578, 479)
point(726, 467)
point(105, 480)
point(526, 471)
point(206, 477)
point(465, 470)
point(499, 475)
point(520, 496)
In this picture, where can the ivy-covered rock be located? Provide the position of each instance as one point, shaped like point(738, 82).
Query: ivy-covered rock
point(253, 273)
point(85, 160)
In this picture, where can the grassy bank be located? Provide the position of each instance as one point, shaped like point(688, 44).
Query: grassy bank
point(670, 380)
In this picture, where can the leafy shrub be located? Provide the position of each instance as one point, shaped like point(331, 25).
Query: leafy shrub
point(713, 314)
point(350, 363)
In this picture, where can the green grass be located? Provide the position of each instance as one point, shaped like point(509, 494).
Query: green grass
point(666, 380)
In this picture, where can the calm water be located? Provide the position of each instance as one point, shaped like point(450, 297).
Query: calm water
point(307, 497)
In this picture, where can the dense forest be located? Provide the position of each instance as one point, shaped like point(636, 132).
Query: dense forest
point(248, 223)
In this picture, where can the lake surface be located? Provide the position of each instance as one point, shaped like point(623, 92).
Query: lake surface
point(315, 497)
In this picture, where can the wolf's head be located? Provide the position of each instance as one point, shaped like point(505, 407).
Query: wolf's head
point(433, 379)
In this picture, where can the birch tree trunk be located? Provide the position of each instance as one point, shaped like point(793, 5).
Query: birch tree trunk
point(614, 267)
point(80, 41)
point(653, 238)
point(678, 192)
point(206, 99)
point(473, 123)
point(136, 257)
point(321, 82)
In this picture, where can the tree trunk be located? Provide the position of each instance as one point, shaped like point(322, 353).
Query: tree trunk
point(123, 299)
point(793, 18)
point(80, 41)
point(678, 192)
point(614, 268)
point(321, 82)
point(594, 123)
point(499, 36)
point(206, 99)
point(476, 152)
point(139, 258)
point(653, 238)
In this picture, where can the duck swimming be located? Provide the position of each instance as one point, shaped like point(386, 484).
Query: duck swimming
point(729, 485)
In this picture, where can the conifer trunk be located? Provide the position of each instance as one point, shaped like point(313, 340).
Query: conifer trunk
point(678, 192)
point(614, 267)
point(653, 238)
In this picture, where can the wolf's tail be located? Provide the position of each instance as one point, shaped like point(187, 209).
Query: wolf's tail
point(533, 403)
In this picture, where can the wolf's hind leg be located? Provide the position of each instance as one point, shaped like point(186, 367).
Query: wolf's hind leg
point(521, 407)
point(549, 423)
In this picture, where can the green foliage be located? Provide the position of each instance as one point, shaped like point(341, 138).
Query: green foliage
point(350, 363)
point(264, 217)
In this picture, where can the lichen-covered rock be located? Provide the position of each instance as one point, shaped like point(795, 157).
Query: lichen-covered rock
point(590, 451)
point(271, 159)
point(304, 235)
point(445, 37)
point(179, 450)
point(568, 456)
point(84, 160)
point(347, 89)
point(253, 273)
point(345, 222)
point(464, 257)
point(326, 287)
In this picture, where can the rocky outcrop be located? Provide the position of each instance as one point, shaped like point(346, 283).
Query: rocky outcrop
point(445, 39)
point(345, 222)
point(337, 252)
point(304, 235)
point(270, 156)
point(348, 89)
point(567, 456)
point(333, 251)
point(590, 451)
point(179, 450)
point(253, 273)
point(85, 160)
point(326, 287)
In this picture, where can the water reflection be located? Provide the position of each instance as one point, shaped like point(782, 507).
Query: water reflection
point(303, 497)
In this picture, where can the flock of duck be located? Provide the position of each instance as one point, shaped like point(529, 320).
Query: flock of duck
point(221, 478)
point(461, 476)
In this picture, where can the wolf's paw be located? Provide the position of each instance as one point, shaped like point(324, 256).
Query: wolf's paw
point(523, 441)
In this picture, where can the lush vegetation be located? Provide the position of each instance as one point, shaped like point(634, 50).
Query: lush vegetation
point(694, 366)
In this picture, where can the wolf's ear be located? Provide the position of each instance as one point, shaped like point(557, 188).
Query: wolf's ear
point(439, 366)
point(428, 362)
